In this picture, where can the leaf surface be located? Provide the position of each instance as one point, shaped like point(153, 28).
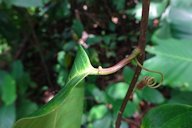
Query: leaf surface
point(156, 9)
point(151, 95)
point(65, 109)
point(172, 47)
point(7, 116)
point(25, 3)
point(7, 88)
point(173, 59)
point(168, 116)
point(179, 17)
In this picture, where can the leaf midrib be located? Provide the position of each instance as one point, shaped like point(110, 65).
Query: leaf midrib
point(85, 73)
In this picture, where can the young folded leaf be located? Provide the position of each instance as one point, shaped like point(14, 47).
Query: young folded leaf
point(65, 109)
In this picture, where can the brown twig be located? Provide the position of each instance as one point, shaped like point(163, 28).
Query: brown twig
point(21, 47)
point(129, 121)
point(141, 45)
point(77, 15)
point(116, 67)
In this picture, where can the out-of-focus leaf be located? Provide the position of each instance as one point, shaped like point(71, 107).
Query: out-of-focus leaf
point(17, 69)
point(168, 116)
point(3, 45)
point(104, 122)
point(7, 116)
point(25, 107)
point(181, 3)
point(64, 62)
point(94, 57)
point(8, 88)
point(8, 29)
point(64, 59)
point(172, 49)
point(115, 104)
point(151, 95)
point(117, 91)
point(173, 59)
point(65, 109)
point(131, 108)
point(109, 38)
point(97, 112)
point(181, 97)
point(119, 5)
point(64, 9)
point(124, 125)
point(25, 3)
point(21, 77)
point(111, 26)
point(78, 28)
point(179, 17)
point(128, 74)
point(156, 9)
point(93, 39)
point(98, 94)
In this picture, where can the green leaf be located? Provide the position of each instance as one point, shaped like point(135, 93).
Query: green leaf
point(116, 93)
point(94, 39)
point(119, 5)
point(22, 78)
point(156, 9)
point(97, 112)
point(172, 49)
point(128, 74)
point(78, 28)
point(173, 59)
point(118, 90)
point(186, 4)
point(181, 97)
point(8, 88)
point(64, 9)
point(17, 69)
point(65, 109)
point(152, 95)
point(25, 107)
point(179, 17)
point(98, 94)
point(131, 108)
point(25, 3)
point(104, 122)
point(168, 116)
point(7, 116)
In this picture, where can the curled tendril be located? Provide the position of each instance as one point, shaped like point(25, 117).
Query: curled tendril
point(148, 80)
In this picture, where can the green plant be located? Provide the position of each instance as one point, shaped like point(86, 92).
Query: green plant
point(103, 103)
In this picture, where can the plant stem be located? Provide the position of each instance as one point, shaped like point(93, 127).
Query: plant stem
point(141, 46)
point(131, 122)
point(116, 67)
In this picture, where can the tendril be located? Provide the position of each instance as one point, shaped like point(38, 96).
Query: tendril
point(148, 80)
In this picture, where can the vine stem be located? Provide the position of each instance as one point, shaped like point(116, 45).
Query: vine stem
point(116, 67)
point(141, 46)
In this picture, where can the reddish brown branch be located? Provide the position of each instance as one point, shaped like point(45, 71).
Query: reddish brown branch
point(129, 121)
point(141, 45)
point(118, 66)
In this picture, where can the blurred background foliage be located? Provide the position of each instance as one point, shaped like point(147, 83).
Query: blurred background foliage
point(38, 43)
